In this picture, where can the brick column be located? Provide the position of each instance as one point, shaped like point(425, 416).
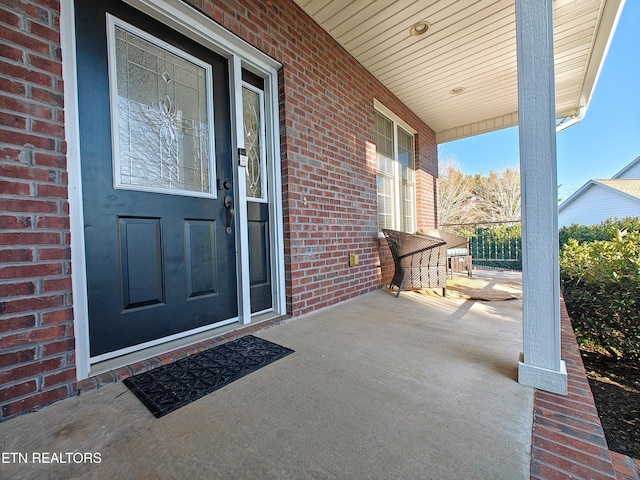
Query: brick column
point(37, 362)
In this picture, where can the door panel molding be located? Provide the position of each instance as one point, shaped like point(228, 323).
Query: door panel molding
point(142, 267)
point(200, 247)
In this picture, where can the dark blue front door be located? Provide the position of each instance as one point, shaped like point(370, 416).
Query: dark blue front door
point(157, 179)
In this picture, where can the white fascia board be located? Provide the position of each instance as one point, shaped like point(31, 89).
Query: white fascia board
point(575, 195)
point(606, 29)
point(477, 128)
point(626, 169)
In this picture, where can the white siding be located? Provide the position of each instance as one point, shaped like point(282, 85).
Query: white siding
point(595, 205)
point(633, 172)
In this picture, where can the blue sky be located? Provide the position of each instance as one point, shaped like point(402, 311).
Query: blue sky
point(606, 140)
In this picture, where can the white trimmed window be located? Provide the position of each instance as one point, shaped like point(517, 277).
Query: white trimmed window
point(395, 173)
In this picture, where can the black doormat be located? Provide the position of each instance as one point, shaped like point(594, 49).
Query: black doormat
point(172, 386)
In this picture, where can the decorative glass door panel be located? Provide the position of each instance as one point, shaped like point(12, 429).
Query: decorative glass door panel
point(253, 143)
point(161, 107)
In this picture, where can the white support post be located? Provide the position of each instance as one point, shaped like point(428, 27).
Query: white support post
point(541, 365)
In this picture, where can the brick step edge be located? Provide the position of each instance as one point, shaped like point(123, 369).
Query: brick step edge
point(626, 468)
point(567, 439)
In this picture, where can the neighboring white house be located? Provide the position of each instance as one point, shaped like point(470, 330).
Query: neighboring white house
point(631, 171)
point(600, 199)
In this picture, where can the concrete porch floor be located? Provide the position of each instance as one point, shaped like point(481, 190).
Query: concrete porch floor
point(418, 387)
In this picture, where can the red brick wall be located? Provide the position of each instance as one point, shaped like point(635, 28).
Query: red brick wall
point(328, 154)
point(328, 172)
point(36, 324)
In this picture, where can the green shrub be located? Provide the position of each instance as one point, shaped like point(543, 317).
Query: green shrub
point(603, 231)
point(601, 285)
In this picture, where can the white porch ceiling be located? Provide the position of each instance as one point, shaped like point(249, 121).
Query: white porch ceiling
point(470, 44)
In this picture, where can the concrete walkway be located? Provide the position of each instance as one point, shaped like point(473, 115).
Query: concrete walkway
point(418, 387)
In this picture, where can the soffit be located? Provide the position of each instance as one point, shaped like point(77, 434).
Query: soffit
point(470, 44)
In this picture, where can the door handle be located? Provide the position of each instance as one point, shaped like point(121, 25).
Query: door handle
point(230, 213)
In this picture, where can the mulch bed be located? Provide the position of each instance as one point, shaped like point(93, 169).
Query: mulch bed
point(616, 391)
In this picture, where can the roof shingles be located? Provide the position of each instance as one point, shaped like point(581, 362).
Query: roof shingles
point(630, 186)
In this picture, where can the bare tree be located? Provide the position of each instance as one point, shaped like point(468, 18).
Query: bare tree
point(498, 196)
point(478, 198)
point(455, 190)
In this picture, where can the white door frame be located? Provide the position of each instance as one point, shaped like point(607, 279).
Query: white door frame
point(195, 25)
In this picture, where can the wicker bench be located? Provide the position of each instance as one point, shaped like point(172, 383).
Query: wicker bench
point(420, 261)
point(458, 253)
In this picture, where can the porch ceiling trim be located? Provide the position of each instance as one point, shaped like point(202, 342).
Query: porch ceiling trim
point(477, 128)
point(470, 45)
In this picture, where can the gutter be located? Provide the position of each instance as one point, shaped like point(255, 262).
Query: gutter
point(571, 121)
point(606, 29)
